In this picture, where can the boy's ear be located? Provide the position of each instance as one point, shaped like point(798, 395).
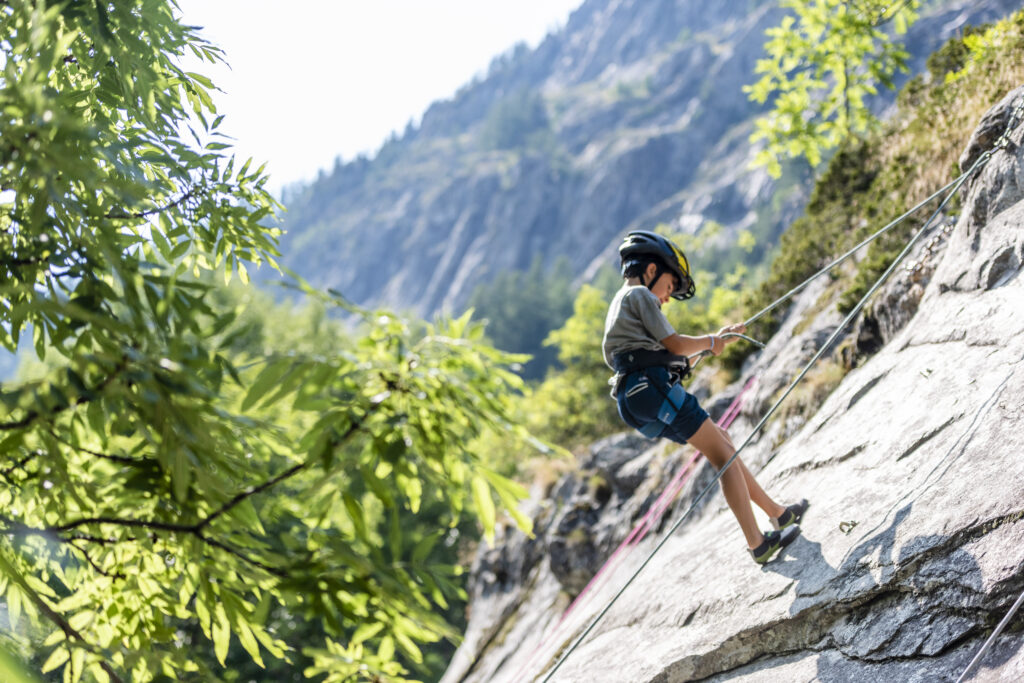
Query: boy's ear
point(649, 272)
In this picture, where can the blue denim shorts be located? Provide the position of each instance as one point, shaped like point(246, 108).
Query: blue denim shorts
point(643, 393)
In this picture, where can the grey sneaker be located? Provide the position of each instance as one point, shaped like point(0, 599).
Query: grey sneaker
point(774, 541)
point(793, 515)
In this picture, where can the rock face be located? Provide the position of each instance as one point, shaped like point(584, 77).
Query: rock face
point(911, 552)
point(630, 116)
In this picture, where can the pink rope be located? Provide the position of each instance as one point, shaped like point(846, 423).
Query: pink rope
point(637, 534)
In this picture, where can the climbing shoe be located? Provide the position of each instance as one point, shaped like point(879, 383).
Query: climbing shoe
point(793, 515)
point(773, 542)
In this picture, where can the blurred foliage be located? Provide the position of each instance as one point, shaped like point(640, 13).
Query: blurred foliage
point(823, 62)
point(522, 307)
point(186, 471)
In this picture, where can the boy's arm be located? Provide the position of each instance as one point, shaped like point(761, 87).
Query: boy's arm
point(681, 345)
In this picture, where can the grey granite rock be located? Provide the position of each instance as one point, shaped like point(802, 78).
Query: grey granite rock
point(912, 550)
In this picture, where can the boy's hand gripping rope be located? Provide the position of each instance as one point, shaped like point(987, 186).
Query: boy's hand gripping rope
point(696, 358)
point(953, 187)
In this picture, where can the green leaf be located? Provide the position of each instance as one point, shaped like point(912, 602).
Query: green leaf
point(57, 659)
point(386, 650)
point(377, 485)
point(221, 633)
point(395, 536)
point(484, 506)
point(181, 474)
point(425, 545)
point(13, 604)
point(366, 631)
point(265, 381)
point(409, 647)
point(355, 514)
point(248, 641)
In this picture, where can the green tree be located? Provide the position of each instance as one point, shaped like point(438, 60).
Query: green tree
point(165, 480)
point(516, 121)
point(522, 307)
point(823, 61)
point(571, 407)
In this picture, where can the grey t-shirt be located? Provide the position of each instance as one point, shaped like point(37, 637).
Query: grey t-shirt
point(634, 321)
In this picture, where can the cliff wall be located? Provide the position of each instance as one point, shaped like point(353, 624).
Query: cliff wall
point(912, 550)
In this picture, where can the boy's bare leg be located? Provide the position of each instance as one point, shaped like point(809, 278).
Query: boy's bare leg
point(717, 448)
point(726, 436)
point(757, 494)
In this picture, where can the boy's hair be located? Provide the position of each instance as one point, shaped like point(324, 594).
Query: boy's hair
point(635, 267)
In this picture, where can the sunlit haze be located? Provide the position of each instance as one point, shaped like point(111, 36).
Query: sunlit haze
point(313, 80)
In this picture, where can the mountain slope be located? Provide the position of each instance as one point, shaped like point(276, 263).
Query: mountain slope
point(630, 116)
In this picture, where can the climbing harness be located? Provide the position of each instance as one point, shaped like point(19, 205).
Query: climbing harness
point(631, 367)
point(640, 531)
point(632, 378)
point(953, 187)
point(628, 362)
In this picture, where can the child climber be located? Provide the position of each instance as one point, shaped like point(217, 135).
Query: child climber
point(648, 358)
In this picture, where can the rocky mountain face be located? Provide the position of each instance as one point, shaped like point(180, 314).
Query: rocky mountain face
point(630, 116)
point(912, 549)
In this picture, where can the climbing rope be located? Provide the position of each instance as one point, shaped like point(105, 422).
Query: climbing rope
point(652, 517)
point(1016, 116)
point(696, 358)
point(991, 639)
point(953, 188)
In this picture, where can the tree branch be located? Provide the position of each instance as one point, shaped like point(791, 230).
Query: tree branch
point(32, 415)
point(7, 471)
point(197, 528)
point(92, 563)
point(280, 573)
point(69, 631)
point(251, 491)
point(123, 215)
point(123, 459)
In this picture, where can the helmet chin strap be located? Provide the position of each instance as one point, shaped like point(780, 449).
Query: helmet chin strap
point(659, 270)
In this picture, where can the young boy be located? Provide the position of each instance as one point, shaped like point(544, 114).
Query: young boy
point(646, 354)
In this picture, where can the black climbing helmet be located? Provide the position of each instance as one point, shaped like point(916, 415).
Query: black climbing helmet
point(643, 246)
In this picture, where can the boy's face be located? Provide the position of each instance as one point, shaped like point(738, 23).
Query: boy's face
point(665, 285)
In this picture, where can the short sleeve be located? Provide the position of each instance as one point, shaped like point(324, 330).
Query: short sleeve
point(645, 306)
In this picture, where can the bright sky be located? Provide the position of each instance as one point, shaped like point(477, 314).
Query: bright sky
point(314, 79)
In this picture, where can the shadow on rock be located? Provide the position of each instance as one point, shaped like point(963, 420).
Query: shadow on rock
point(804, 563)
point(890, 603)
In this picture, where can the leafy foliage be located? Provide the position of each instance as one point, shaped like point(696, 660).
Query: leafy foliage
point(571, 406)
point(169, 479)
point(823, 61)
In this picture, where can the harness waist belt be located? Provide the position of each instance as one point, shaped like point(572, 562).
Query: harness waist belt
point(641, 359)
